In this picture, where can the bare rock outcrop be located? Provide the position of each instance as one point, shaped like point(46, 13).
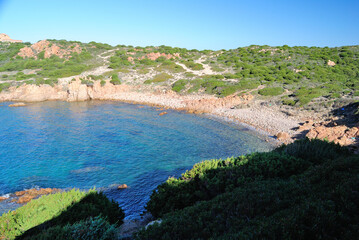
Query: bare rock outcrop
point(27, 195)
point(282, 136)
point(5, 38)
point(340, 134)
point(77, 91)
point(49, 50)
point(20, 104)
point(331, 63)
point(33, 93)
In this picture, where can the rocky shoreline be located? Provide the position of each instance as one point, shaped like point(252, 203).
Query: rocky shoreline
point(243, 109)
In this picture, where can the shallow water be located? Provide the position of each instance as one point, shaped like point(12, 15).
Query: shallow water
point(103, 144)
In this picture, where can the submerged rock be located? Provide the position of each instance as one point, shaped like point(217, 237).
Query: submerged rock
point(27, 195)
point(162, 113)
point(20, 104)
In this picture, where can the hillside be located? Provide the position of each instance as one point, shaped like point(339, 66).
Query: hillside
point(299, 75)
point(275, 89)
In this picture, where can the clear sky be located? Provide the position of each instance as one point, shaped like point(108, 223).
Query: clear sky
point(206, 24)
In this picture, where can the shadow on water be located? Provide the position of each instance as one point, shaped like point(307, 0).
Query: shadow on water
point(133, 199)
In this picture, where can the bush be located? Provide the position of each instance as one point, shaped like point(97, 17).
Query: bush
point(179, 85)
point(115, 80)
point(289, 102)
point(103, 83)
point(271, 91)
point(59, 210)
point(194, 66)
point(211, 178)
point(4, 86)
point(162, 77)
point(91, 228)
point(305, 190)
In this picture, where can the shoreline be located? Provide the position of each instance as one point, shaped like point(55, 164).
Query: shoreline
point(265, 135)
point(239, 109)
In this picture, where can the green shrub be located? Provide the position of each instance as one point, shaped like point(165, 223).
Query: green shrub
point(179, 85)
point(305, 190)
point(91, 228)
point(58, 209)
point(4, 86)
point(289, 102)
point(271, 91)
point(115, 80)
point(194, 66)
point(86, 82)
point(170, 66)
point(103, 83)
point(162, 77)
point(211, 178)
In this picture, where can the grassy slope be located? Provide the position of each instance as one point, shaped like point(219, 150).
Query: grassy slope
point(60, 214)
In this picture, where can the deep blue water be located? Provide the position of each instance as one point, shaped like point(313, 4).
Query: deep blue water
point(103, 144)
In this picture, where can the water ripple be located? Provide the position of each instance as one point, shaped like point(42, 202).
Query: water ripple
point(103, 144)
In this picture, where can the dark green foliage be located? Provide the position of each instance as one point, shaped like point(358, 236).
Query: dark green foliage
point(91, 228)
point(287, 101)
point(305, 95)
point(103, 82)
point(314, 150)
point(305, 190)
point(271, 91)
point(115, 79)
point(211, 178)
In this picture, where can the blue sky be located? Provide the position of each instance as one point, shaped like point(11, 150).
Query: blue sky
point(209, 24)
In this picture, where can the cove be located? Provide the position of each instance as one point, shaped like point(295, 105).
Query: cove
point(103, 144)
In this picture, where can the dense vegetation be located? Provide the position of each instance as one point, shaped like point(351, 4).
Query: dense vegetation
point(306, 190)
point(65, 215)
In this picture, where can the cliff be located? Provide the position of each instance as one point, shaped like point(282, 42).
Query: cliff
point(5, 38)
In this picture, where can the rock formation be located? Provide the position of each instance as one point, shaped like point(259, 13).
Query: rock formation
point(331, 132)
point(122, 186)
point(331, 63)
point(49, 50)
point(5, 38)
point(27, 195)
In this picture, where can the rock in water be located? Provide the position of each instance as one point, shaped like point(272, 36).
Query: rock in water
point(20, 104)
point(3, 198)
point(122, 186)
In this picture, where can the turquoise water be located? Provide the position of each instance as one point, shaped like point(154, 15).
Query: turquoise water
point(103, 144)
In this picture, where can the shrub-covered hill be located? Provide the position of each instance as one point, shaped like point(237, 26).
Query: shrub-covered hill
point(66, 215)
point(296, 74)
point(305, 190)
